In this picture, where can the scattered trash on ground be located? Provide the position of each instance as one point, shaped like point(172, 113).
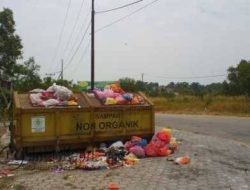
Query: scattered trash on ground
point(6, 173)
point(17, 162)
point(118, 154)
point(182, 160)
point(113, 186)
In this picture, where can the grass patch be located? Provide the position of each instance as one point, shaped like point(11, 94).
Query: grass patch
point(225, 105)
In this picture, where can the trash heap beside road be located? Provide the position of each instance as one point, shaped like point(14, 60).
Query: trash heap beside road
point(118, 154)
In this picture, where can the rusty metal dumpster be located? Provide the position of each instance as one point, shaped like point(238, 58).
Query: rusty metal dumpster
point(41, 129)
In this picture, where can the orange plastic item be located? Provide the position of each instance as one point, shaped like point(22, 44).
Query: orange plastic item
point(135, 101)
point(116, 88)
point(183, 160)
point(113, 186)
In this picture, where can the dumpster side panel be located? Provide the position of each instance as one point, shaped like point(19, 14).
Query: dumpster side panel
point(141, 121)
point(108, 124)
point(37, 127)
point(117, 124)
point(75, 123)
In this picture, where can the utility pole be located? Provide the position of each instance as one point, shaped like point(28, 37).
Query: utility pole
point(93, 45)
point(62, 70)
point(142, 75)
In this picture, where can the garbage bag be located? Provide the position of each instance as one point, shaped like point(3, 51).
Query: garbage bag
point(164, 135)
point(110, 101)
point(37, 90)
point(36, 99)
point(137, 151)
point(151, 150)
point(162, 151)
point(60, 92)
point(117, 144)
point(50, 102)
point(182, 160)
point(128, 145)
point(117, 89)
point(158, 142)
point(135, 101)
point(154, 150)
point(110, 94)
point(121, 100)
point(128, 96)
point(143, 142)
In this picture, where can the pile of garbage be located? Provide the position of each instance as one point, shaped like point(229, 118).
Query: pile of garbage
point(119, 154)
point(115, 95)
point(55, 95)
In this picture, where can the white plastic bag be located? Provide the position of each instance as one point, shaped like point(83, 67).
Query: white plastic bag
point(36, 99)
point(60, 92)
point(50, 102)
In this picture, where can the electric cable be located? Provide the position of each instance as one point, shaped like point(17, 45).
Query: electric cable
point(78, 47)
point(81, 58)
point(193, 77)
point(61, 33)
point(117, 8)
point(74, 27)
point(124, 17)
point(78, 35)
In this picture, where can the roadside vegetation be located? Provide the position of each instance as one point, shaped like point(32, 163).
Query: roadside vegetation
point(216, 105)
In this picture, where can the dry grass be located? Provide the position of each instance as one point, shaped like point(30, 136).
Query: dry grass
point(223, 105)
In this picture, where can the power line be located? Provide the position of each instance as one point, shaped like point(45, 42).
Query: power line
point(81, 58)
point(117, 8)
point(74, 27)
point(124, 17)
point(78, 35)
point(192, 77)
point(78, 47)
point(61, 33)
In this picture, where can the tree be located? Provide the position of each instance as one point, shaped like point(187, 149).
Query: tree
point(10, 45)
point(22, 77)
point(10, 52)
point(239, 79)
point(128, 84)
point(28, 77)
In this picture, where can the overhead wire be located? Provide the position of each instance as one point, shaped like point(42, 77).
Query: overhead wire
point(124, 17)
point(78, 47)
point(191, 77)
point(78, 35)
point(81, 58)
point(61, 33)
point(74, 27)
point(117, 8)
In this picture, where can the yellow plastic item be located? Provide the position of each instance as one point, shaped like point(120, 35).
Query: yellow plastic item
point(72, 103)
point(110, 101)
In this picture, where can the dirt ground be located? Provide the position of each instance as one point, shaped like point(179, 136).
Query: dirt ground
point(216, 163)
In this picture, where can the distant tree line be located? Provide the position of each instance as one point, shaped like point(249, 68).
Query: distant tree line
point(237, 83)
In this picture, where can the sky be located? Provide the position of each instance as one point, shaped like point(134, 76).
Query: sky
point(170, 40)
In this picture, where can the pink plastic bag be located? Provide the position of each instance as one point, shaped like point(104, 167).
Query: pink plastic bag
point(121, 100)
point(128, 145)
point(137, 151)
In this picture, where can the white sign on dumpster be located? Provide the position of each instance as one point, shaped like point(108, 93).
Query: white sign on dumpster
point(38, 124)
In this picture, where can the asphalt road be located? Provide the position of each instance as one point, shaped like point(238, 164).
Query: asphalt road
point(235, 128)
